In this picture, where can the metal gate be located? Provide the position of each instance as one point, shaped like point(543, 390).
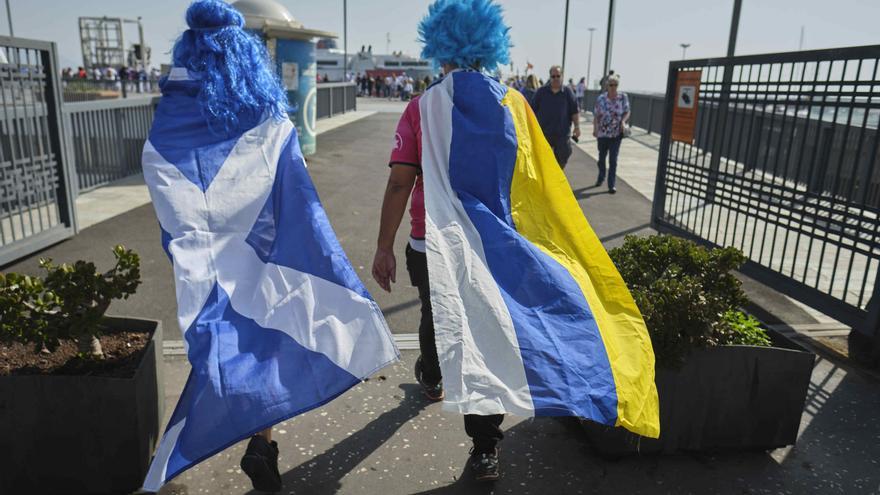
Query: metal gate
point(36, 208)
point(784, 166)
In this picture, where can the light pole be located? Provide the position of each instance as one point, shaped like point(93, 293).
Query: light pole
point(590, 55)
point(9, 18)
point(565, 36)
point(609, 37)
point(684, 48)
point(344, 40)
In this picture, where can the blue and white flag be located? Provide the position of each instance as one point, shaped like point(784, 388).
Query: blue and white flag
point(275, 320)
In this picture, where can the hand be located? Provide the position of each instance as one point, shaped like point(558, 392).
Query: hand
point(595, 133)
point(577, 132)
point(384, 268)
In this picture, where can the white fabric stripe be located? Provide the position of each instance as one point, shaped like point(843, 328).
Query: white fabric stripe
point(159, 467)
point(320, 315)
point(483, 371)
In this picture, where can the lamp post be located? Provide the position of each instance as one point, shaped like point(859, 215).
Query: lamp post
point(9, 18)
point(344, 40)
point(684, 47)
point(565, 36)
point(609, 37)
point(590, 55)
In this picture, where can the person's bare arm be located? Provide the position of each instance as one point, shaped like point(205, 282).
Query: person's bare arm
point(576, 122)
point(400, 184)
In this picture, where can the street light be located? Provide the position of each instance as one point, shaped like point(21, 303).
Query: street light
point(684, 48)
point(9, 18)
point(590, 56)
point(565, 36)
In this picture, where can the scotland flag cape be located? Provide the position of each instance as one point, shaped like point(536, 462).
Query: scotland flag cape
point(531, 316)
point(275, 320)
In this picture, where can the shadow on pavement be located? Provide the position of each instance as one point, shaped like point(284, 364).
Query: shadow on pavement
point(322, 473)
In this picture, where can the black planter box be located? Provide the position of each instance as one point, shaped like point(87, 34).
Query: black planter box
point(82, 434)
point(722, 398)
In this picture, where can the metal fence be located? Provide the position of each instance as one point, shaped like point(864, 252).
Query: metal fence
point(784, 166)
point(77, 89)
point(36, 208)
point(336, 98)
point(107, 138)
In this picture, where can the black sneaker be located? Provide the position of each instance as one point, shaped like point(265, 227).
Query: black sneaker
point(260, 463)
point(485, 466)
point(612, 190)
point(431, 391)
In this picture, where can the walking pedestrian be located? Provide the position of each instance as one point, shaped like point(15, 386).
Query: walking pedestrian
point(221, 146)
point(557, 112)
point(580, 91)
point(468, 156)
point(610, 117)
point(529, 89)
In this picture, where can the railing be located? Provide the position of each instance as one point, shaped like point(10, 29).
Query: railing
point(36, 208)
point(784, 165)
point(107, 138)
point(77, 89)
point(336, 98)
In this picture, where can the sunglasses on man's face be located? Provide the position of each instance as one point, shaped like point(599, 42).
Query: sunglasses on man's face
point(613, 84)
point(557, 76)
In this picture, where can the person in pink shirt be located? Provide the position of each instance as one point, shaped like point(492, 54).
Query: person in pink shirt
point(467, 18)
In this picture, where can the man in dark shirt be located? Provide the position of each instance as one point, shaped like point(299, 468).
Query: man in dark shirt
point(556, 109)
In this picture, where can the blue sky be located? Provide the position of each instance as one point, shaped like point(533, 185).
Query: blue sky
point(647, 32)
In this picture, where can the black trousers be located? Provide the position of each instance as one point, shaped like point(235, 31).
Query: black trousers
point(561, 148)
point(485, 431)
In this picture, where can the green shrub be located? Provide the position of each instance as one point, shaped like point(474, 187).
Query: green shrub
point(67, 304)
point(686, 294)
point(743, 329)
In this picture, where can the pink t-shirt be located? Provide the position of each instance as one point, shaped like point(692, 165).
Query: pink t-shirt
point(408, 151)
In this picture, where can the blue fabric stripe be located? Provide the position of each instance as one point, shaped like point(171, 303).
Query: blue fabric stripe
point(180, 134)
point(166, 243)
point(244, 379)
point(293, 229)
point(563, 354)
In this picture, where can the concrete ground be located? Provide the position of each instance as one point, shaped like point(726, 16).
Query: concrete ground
point(383, 437)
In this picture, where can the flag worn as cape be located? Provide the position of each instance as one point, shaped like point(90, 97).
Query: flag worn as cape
point(275, 319)
point(531, 316)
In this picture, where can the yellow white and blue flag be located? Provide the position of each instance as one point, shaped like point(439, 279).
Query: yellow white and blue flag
point(531, 316)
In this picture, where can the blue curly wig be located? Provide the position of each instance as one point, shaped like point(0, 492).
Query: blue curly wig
point(238, 85)
point(467, 33)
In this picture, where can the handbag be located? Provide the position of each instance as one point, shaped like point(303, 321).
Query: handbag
point(627, 131)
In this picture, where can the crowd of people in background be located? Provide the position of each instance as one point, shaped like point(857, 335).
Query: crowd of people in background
point(391, 86)
point(130, 79)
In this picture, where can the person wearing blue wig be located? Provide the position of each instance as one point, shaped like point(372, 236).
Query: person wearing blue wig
point(274, 317)
point(459, 35)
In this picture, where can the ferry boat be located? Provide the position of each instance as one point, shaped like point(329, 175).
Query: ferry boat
point(330, 63)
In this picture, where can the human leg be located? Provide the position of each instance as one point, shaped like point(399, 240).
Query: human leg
point(602, 143)
point(260, 462)
point(428, 369)
point(613, 151)
point(485, 431)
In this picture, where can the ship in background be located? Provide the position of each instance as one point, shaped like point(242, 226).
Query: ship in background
point(330, 60)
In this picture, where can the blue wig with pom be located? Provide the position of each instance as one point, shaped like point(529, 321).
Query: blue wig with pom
point(238, 86)
point(467, 33)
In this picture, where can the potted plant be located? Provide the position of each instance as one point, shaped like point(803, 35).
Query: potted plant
point(80, 392)
point(723, 381)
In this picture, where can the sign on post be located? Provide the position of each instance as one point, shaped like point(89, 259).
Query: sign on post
point(684, 113)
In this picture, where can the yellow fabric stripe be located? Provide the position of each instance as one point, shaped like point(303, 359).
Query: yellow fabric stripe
point(546, 213)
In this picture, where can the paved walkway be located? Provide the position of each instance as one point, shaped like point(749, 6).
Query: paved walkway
point(382, 437)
